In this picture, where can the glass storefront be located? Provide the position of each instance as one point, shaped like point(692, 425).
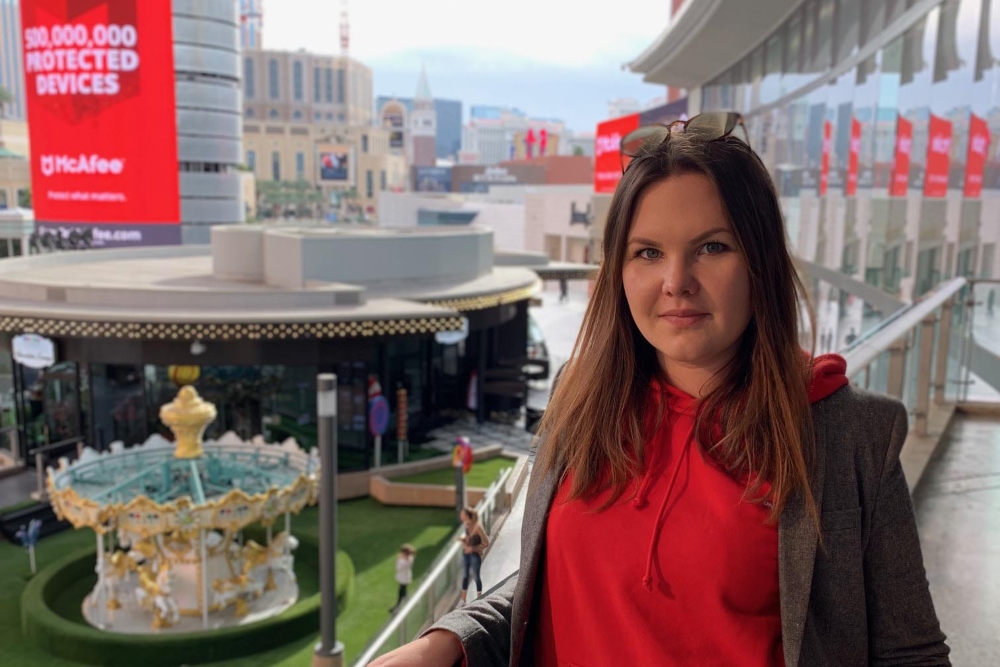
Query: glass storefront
point(889, 169)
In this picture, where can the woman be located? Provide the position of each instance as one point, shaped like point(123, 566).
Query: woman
point(704, 493)
point(474, 544)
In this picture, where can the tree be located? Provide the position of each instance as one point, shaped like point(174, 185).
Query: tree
point(24, 197)
point(577, 150)
point(298, 199)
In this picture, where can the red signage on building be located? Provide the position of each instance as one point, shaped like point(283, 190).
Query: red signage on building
point(938, 157)
point(975, 162)
point(607, 144)
point(901, 161)
point(854, 150)
point(824, 165)
point(100, 90)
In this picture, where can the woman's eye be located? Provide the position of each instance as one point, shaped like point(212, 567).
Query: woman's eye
point(714, 248)
point(649, 253)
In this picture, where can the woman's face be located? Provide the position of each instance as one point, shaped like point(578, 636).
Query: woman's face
point(686, 283)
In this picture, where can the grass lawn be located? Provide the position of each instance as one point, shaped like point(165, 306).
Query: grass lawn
point(369, 532)
point(481, 475)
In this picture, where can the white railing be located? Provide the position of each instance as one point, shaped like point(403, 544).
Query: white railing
point(928, 351)
point(439, 589)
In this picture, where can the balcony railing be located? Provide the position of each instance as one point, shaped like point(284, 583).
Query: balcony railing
point(439, 590)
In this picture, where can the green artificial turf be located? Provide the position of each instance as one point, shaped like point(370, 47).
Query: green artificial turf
point(368, 531)
point(481, 476)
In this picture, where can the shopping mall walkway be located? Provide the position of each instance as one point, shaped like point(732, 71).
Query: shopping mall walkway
point(957, 504)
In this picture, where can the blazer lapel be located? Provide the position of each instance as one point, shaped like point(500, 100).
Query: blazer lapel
point(797, 542)
point(536, 512)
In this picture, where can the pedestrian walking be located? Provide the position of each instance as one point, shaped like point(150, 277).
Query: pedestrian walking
point(705, 492)
point(474, 542)
point(563, 290)
point(404, 572)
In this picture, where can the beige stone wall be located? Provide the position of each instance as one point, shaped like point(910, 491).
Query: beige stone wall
point(370, 152)
point(15, 174)
point(14, 135)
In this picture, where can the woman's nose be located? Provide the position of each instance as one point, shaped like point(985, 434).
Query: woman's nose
point(678, 279)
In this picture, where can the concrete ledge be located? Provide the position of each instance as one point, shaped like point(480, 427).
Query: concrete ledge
point(387, 492)
point(356, 484)
point(919, 450)
point(419, 495)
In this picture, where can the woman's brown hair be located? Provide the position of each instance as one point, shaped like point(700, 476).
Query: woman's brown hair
point(595, 426)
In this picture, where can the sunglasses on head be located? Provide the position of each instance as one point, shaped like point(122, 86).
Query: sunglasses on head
point(707, 126)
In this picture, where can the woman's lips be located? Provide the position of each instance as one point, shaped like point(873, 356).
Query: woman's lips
point(683, 318)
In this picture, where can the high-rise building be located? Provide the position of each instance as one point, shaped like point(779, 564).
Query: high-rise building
point(251, 25)
point(448, 142)
point(423, 125)
point(11, 70)
point(303, 87)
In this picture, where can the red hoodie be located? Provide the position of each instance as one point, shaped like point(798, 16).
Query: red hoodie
point(685, 573)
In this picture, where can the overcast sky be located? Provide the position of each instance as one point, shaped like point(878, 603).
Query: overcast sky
point(550, 58)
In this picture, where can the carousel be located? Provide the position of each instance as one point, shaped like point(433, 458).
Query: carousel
point(169, 519)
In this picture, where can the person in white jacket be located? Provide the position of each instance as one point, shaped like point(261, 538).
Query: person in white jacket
point(404, 572)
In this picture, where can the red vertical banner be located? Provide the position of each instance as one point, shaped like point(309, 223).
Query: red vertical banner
point(824, 166)
point(851, 188)
point(975, 161)
point(938, 157)
point(100, 90)
point(901, 160)
point(607, 156)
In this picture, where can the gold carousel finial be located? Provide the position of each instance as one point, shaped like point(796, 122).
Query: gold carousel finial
point(187, 416)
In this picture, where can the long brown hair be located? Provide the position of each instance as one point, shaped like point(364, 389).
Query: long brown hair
point(758, 410)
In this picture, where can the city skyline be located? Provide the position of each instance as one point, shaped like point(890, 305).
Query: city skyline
point(569, 68)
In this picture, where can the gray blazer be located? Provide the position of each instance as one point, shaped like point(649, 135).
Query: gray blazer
point(861, 600)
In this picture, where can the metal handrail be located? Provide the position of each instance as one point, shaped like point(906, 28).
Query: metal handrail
point(864, 351)
point(438, 570)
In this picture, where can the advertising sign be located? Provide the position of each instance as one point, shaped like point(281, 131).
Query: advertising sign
point(432, 179)
point(975, 162)
point(853, 153)
point(901, 162)
point(938, 157)
point(33, 351)
point(334, 162)
point(607, 144)
point(99, 81)
point(824, 164)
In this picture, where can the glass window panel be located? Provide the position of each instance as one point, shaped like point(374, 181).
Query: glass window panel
point(809, 34)
point(272, 78)
point(824, 34)
point(770, 87)
point(872, 19)
point(248, 82)
point(848, 26)
point(297, 83)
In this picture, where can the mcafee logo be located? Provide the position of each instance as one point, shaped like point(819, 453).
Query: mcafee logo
point(82, 164)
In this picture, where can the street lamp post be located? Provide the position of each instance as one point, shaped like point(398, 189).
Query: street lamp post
point(329, 652)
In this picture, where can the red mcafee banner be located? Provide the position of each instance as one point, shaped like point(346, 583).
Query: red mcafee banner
point(901, 162)
point(100, 90)
point(824, 165)
point(851, 187)
point(975, 162)
point(938, 157)
point(607, 143)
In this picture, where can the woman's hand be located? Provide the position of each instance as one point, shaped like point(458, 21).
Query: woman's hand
point(439, 648)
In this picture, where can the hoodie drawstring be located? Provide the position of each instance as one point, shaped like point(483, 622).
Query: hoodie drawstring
point(640, 501)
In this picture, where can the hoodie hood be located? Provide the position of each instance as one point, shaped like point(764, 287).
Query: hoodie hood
point(828, 375)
